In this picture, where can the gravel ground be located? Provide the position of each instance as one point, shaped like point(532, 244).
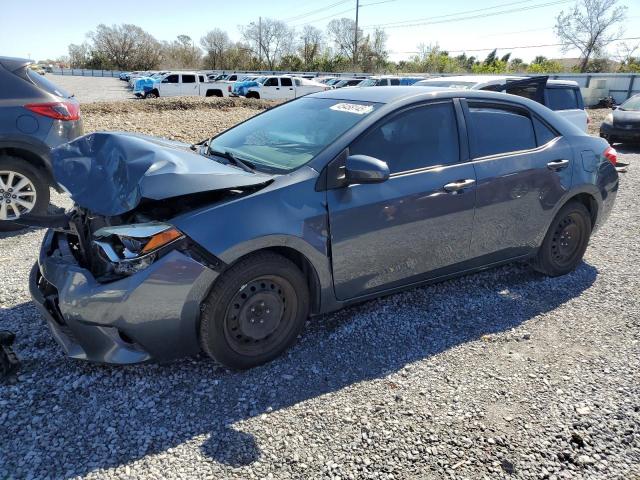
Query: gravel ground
point(94, 89)
point(505, 373)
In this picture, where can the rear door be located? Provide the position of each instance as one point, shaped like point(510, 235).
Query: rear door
point(170, 86)
point(523, 169)
point(188, 84)
point(567, 102)
point(287, 90)
point(418, 223)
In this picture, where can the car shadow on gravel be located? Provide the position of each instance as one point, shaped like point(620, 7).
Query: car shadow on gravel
point(72, 418)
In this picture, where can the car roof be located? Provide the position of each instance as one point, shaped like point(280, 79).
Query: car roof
point(501, 78)
point(12, 63)
point(390, 95)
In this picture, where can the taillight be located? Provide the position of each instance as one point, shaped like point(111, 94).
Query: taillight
point(229, 88)
point(611, 155)
point(57, 110)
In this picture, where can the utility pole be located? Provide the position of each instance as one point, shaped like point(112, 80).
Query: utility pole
point(259, 42)
point(355, 46)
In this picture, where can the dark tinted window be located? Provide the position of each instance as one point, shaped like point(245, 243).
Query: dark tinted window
point(188, 79)
point(543, 133)
point(394, 81)
point(353, 82)
point(417, 138)
point(562, 98)
point(528, 91)
point(171, 79)
point(286, 82)
point(41, 82)
point(271, 82)
point(201, 78)
point(496, 130)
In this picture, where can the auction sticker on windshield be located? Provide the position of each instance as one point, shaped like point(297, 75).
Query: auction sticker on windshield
point(352, 108)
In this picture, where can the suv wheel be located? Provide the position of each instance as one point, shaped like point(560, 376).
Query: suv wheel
point(255, 311)
point(565, 242)
point(150, 95)
point(22, 191)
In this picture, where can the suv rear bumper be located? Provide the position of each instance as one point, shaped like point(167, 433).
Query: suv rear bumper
point(612, 131)
point(151, 315)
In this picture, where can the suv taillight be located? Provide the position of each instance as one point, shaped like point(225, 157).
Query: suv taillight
point(611, 155)
point(57, 110)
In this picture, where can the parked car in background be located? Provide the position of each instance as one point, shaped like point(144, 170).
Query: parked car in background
point(319, 203)
point(389, 80)
point(284, 88)
point(37, 68)
point(623, 123)
point(562, 96)
point(347, 82)
point(175, 84)
point(241, 87)
point(143, 84)
point(35, 116)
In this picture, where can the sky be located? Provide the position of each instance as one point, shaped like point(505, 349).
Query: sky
point(41, 29)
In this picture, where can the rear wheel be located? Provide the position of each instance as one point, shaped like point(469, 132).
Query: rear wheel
point(566, 241)
point(255, 311)
point(22, 190)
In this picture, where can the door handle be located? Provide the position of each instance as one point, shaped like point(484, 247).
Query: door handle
point(291, 89)
point(277, 88)
point(454, 187)
point(558, 164)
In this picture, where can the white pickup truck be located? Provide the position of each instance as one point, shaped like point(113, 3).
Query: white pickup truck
point(180, 84)
point(562, 96)
point(285, 88)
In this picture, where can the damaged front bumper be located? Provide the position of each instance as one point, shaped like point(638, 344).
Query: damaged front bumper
point(150, 315)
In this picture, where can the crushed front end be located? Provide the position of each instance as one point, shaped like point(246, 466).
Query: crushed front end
point(121, 293)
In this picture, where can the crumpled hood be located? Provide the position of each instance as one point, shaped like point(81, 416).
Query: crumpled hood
point(110, 172)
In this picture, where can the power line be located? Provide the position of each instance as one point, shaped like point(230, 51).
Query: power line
point(313, 12)
point(431, 21)
point(309, 22)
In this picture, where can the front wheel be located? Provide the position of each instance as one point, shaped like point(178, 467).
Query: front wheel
point(566, 241)
point(255, 95)
point(150, 95)
point(22, 190)
point(255, 311)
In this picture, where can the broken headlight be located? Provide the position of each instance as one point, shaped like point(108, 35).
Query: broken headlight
point(131, 248)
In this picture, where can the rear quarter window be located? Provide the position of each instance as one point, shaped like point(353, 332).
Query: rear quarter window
point(44, 84)
point(562, 98)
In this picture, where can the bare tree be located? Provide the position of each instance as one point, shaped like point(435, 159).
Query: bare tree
point(341, 31)
point(270, 40)
point(311, 40)
point(215, 43)
point(118, 44)
point(590, 27)
point(78, 55)
point(181, 53)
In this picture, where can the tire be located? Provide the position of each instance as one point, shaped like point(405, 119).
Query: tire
point(255, 311)
point(565, 242)
point(151, 95)
point(255, 95)
point(18, 170)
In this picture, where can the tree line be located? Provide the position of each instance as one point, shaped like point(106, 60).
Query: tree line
point(270, 44)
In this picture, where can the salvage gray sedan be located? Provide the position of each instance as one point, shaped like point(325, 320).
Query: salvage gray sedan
point(229, 245)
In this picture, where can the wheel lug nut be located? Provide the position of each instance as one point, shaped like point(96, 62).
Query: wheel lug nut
point(268, 311)
point(10, 190)
point(14, 196)
point(261, 321)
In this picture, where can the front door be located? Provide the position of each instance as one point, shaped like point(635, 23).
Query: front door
point(270, 89)
point(170, 86)
point(416, 224)
point(523, 169)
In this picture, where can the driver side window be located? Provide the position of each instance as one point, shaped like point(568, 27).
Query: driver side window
point(420, 137)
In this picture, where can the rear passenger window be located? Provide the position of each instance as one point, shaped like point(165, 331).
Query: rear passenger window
point(562, 99)
point(543, 133)
point(201, 78)
point(497, 130)
point(420, 137)
point(188, 79)
point(394, 81)
point(271, 82)
point(286, 82)
point(171, 79)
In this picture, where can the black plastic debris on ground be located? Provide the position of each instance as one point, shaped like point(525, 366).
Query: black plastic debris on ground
point(9, 363)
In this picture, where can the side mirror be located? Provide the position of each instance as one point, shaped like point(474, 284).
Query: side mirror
point(365, 169)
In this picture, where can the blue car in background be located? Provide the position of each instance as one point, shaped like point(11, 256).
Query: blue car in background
point(143, 85)
point(240, 88)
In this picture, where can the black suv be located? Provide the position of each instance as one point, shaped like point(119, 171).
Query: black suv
point(35, 116)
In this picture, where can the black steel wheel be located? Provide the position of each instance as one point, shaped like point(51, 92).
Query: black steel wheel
point(566, 241)
point(254, 311)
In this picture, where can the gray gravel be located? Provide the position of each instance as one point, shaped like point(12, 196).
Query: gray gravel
point(500, 374)
point(94, 89)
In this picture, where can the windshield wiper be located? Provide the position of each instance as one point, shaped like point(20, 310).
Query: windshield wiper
point(196, 146)
point(243, 164)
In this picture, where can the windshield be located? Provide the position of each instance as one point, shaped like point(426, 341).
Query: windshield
point(369, 83)
point(445, 84)
point(633, 104)
point(286, 137)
